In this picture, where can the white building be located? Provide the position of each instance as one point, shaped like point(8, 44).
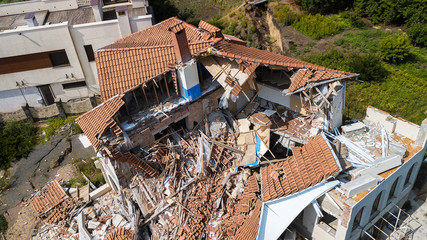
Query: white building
point(47, 47)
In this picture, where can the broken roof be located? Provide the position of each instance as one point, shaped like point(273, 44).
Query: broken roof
point(310, 164)
point(96, 121)
point(144, 55)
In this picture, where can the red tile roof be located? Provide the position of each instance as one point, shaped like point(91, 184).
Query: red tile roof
point(96, 121)
point(305, 76)
point(144, 55)
point(49, 196)
point(309, 165)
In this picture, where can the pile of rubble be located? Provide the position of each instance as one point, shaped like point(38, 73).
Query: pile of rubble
point(203, 188)
point(105, 217)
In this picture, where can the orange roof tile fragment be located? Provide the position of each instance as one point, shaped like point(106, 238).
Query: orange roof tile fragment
point(94, 122)
point(120, 234)
point(309, 165)
point(249, 229)
point(48, 197)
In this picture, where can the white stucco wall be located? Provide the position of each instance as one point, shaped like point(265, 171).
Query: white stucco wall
point(37, 5)
point(97, 34)
point(273, 95)
point(35, 40)
point(12, 100)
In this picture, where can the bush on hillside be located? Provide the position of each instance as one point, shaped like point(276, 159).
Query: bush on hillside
point(394, 48)
point(17, 139)
point(284, 15)
point(369, 66)
point(325, 6)
point(317, 26)
point(392, 11)
point(418, 34)
point(353, 19)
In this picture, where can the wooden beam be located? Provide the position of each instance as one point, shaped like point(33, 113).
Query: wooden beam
point(155, 92)
point(136, 100)
point(145, 95)
point(166, 85)
point(160, 86)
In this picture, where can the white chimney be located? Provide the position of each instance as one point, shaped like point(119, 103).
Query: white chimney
point(123, 17)
point(97, 10)
point(31, 19)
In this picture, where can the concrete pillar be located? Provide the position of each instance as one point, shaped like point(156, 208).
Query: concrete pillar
point(123, 18)
point(422, 133)
point(97, 10)
point(31, 20)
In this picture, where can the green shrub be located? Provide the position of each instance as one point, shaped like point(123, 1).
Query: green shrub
point(3, 224)
point(232, 14)
point(317, 26)
point(325, 6)
point(392, 11)
point(418, 34)
point(353, 19)
point(17, 139)
point(231, 28)
point(332, 59)
point(284, 15)
point(394, 48)
point(369, 66)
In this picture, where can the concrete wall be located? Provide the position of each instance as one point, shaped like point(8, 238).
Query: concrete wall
point(37, 5)
point(13, 116)
point(46, 38)
point(401, 194)
point(275, 95)
point(12, 100)
point(35, 40)
point(98, 34)
point(338, 105)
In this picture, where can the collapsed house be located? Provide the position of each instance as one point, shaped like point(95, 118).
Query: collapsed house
point(217, 140)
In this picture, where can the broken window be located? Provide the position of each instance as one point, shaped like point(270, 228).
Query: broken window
point(74, 85)
point(357, 219)
point(408, 177)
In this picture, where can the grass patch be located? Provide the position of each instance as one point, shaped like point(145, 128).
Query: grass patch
point(318, 26)
point(88, 168)
point(11, 1)
point(55, 124)
point(5, 181)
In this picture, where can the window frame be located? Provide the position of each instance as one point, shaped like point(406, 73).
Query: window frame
point(408, 176)
point(72, 85)
point(393, 189)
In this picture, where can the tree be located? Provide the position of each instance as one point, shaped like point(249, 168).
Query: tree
point(418, 34)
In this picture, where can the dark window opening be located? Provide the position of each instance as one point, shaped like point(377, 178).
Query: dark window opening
point(74, 85)
point(47, 94)
point(408, 177)
point(357, 219)
point(109, 15)
point(375, 205)
point(89, 53)
point(59, 58)
point(393, 189)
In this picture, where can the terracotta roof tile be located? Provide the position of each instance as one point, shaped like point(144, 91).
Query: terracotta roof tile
point(309, 165)
point(94, 122)
point(48, 197)
point(249, 229)
point(120, 234)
